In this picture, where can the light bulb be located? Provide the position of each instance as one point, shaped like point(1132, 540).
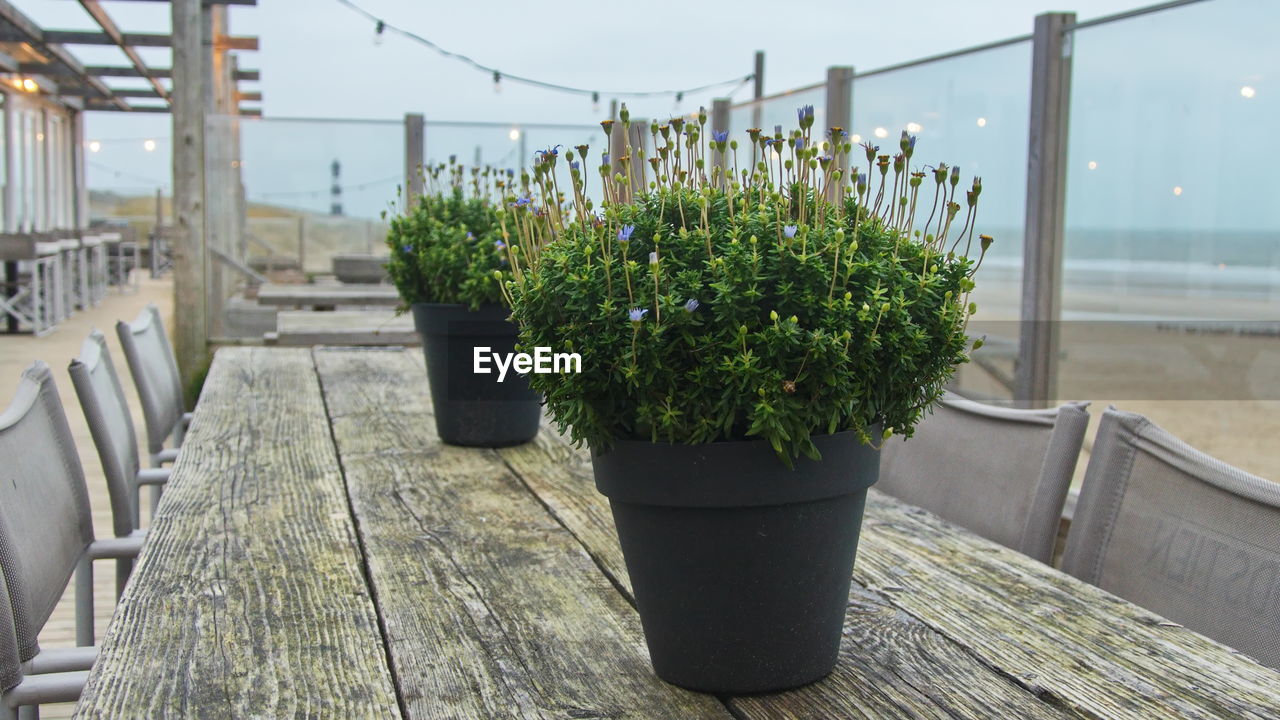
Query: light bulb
point(881, 132)
point(149, 145)
point(514, 134)
point(94, 146)
point(982, 122)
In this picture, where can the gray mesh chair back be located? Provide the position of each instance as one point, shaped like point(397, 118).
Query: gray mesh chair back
point(155, 373)
point(10, 659)
point(1000, 472)
point(103, 401)
point(1180, 533)
point(45, 521)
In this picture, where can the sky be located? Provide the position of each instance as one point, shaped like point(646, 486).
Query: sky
point(1136, 148)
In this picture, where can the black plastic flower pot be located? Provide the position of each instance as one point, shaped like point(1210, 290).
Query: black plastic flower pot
point(474, 409)
point(740, 566)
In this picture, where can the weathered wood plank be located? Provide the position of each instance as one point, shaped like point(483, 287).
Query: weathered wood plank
point(891, 664)
point(249, 599)
point(304, 328)
point(1085, 649)
point(327, 294)
point(492, 610)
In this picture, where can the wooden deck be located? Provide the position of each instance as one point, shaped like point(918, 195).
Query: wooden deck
point(319, 553)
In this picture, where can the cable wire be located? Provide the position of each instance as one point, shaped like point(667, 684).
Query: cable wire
point(382, 25)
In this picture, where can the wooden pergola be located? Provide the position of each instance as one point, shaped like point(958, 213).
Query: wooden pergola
point(40, 54)
point(201, 90)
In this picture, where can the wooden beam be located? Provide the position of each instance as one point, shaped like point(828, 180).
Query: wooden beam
point(206, 3)
point(18, 26)
point(120, 71)
point(100, 16)
point(86, 37)
point(251, 95)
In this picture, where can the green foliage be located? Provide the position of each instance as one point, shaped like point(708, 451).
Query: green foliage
point(446, 250)
point(710, 309)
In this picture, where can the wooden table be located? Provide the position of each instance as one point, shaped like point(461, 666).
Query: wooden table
point(304, 328)
point(319, 553)
point(327, 295)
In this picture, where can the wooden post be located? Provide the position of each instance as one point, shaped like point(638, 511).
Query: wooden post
point(720, 123)
point(415, 146)
point(839, 114)
point(189, 291)
point(639, 132)
point(617, 148)
point(218, 205)
point(757, 84)
point(302, 243)
point(1035, 379)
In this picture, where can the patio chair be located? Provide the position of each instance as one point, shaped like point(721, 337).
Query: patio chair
point(102, 399)
point(1000, 472)
point(21, 690)
point(1180, 533)
point(155, 374)
point(46, 529)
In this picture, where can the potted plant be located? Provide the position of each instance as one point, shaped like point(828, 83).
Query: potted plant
point(445, 249)
point(748, 332)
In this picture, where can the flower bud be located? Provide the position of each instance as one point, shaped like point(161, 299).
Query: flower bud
point(773, 315)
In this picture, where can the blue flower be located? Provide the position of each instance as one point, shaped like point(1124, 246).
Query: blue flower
point(605, 159)
point(637, 314)
point(690, 305)
point(653, 258)
point(511, 173)
point(407, 248)
point(768, 141)
point(624, 235)
point(499, 244)
point(573, 165)
point(799, 143)
point(789, 230)
point(522, 201)
point(470, 236)
point(720, 135)
point(777, 129)
point(862, 178)
point(552, 151)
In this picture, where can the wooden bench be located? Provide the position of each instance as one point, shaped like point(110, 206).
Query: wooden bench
point(319, 553)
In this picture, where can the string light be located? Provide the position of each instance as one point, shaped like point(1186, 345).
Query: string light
point(381, 26)
point(377, 32)
point(149, 145)
point(514, 134)
point(94, 146)
point(595, 101)
point(497, 81)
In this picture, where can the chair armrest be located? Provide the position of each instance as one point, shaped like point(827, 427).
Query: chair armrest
point(186, 419)
point(51, 688)
point(153, 476)
point(167, 455)
point(56, 660)
point(118, 547)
